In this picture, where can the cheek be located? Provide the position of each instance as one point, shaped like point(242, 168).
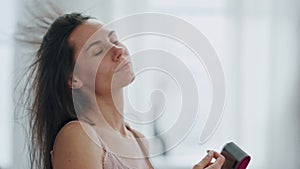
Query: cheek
point(102, 74)
point(105, 73)
point(90, 69)
point(86, 71)
point(106, 67)
point(103, 80)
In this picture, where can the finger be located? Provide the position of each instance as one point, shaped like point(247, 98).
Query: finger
point(216, 155)
point(205, 161)
point(210, 163)
point(219, 162)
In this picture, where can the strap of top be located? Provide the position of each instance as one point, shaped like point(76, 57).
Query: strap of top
point(142, 146)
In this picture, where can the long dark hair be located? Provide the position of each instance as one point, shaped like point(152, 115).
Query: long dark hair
point(52, 105)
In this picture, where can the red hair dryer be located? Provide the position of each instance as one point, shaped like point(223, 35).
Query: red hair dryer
point(236, 158)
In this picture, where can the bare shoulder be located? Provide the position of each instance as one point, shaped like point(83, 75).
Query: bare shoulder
point(77, 146)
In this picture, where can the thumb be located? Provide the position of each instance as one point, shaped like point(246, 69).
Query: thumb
point(205, 161)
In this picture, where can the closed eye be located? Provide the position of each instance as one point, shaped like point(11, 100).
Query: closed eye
point(98, 53)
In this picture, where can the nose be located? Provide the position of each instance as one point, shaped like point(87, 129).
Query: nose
point(117, 53)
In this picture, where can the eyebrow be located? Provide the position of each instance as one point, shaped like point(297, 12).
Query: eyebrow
point(99, 41)
point(111, 32)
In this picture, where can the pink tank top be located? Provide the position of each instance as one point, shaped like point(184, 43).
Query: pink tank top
point(113, 161)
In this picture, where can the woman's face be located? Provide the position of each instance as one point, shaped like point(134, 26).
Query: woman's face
point(101, 61)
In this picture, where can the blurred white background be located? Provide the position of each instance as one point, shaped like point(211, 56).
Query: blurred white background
point(257, 42)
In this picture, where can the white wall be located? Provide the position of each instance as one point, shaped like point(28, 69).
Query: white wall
point(7, 16)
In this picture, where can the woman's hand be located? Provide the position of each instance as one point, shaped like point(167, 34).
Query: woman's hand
point(206, 163)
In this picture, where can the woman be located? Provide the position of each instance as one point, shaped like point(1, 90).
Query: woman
point(86, 130)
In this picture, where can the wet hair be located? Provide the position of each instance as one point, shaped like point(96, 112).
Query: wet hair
point(52, 105)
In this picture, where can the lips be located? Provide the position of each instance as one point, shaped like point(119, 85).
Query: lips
point(124, 66)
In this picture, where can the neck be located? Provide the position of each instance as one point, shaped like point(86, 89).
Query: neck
point(108, 110)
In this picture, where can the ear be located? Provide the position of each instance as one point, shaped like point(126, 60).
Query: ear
point(74, 82)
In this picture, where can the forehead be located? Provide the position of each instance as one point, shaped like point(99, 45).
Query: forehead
point(86, 32)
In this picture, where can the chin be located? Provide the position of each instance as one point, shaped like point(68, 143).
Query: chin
point(120, 82)
point(129, 80)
